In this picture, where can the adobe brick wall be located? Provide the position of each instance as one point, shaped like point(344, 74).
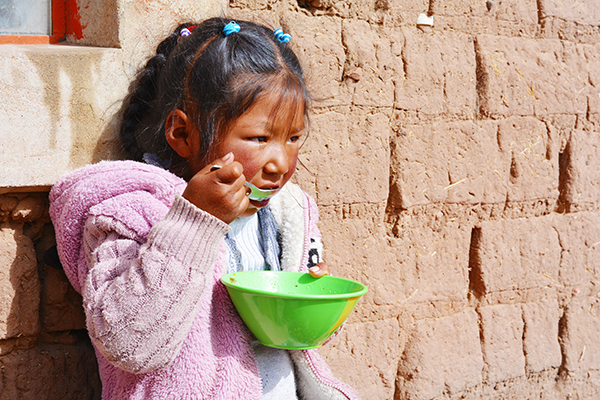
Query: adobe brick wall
point(44, 350)
point(456, 168)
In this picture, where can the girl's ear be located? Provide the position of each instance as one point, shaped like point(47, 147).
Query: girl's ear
point(180, 134)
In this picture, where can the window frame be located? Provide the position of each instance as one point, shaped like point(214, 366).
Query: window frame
point(59, 27)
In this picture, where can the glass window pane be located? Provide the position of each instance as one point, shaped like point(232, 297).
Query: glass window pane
point(25, 17)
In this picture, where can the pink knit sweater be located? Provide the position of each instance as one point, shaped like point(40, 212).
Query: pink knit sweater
point(148, 264)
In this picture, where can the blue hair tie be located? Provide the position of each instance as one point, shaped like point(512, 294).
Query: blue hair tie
point(282, 37)
point(231, 28)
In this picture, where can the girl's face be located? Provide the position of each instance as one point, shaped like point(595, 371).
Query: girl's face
point(265, 140)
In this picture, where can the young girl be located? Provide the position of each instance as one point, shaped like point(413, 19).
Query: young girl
point(213, 123)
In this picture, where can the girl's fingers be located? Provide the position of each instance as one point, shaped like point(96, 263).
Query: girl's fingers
point(219, 189)
point(230, 173)
point(226, 170)
point(221, 162)
point(319, 270)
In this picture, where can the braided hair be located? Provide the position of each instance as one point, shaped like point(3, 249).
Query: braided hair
point(212, 77)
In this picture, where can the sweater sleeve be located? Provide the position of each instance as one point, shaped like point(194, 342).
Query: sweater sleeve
point(141, 299)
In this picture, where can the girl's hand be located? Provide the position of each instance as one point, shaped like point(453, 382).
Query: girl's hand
point(219, 189)
point(319, 270)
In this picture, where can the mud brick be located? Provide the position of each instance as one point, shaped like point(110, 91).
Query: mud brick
point(429, 365)
point(540, 336)
point(252, 4)
point(518, 12)
point(439, 74)
point(371, 63)
point(515, 254)
point(422, 266)
point(533, 153)
point(507, 17)
point(592, 55)
point(350, 235)
point(580, 163)
point(579, 11)
point(318, 43)
point(579, 236)
point(522, 76)
point(579, 335)
point(367, 357)
point(51, 372)
point(349, 157)
point(19, 284)
point(370, 10)
point(455, 162)
point(60, 303)
point(502, 342)
point(427, 251)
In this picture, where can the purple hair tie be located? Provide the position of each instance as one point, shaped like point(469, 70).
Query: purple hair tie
point(230, 28)
point(282, 37)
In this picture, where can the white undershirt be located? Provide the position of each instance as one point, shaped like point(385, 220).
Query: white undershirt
point(244, 231)
point(275, 365)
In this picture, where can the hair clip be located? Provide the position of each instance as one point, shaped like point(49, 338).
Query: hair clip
point(282, 37)
point(230, 28)
point(186, 32)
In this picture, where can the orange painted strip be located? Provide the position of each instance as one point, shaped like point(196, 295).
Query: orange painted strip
point(26, 39)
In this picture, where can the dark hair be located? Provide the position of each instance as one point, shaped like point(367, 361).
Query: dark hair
point(211, 77)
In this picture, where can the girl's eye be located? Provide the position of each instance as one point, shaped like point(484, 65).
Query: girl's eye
point(294, 139)
point(259, 139)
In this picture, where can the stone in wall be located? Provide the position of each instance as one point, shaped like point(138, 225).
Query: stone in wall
point(44, 352)
point(61, 308)
point(428, 367)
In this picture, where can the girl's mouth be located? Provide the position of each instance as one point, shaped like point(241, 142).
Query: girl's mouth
point(259, 195)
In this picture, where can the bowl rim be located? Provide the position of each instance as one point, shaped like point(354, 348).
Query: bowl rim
point(340, 296)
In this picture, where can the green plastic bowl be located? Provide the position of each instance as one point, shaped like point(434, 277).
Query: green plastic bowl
point(292, 310)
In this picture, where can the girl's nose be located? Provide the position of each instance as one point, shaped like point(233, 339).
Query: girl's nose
point(278, 161)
